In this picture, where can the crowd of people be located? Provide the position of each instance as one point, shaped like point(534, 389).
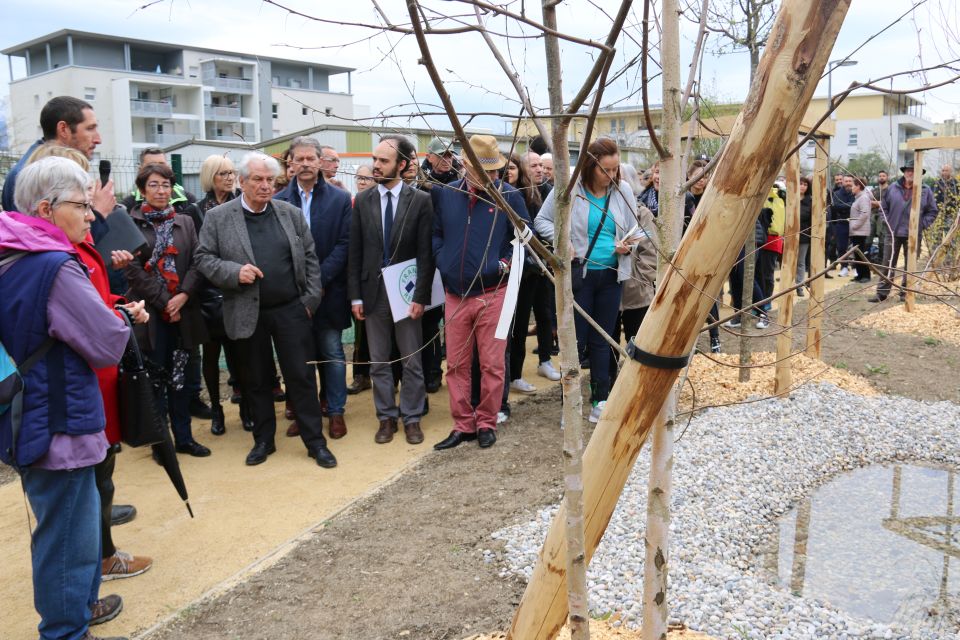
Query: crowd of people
point(277, 259)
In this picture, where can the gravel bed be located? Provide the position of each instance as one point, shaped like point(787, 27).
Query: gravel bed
point(736, 471)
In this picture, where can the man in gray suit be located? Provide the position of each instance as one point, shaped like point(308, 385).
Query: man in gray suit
point(392, 224)
point(259, 252)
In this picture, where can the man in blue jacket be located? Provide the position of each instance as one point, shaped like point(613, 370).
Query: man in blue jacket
point(471, 243)
point(327, 212)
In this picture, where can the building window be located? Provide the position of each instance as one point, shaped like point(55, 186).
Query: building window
point(305, 110)
point(851, 157)
point(613, 125)
point(194, 71)
point(623, 125)
point(852, 138)
point(273, 109)
point(295, 84)
point(89, 93)
point(276, 81)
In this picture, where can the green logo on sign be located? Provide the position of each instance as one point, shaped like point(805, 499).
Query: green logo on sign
point(408, 282)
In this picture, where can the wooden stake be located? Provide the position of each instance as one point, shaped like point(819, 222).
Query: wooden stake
point(800, 42)
point(788, 271)
point(818, 252)
point(914, 238)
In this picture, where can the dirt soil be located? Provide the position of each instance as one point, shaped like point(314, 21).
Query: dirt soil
point(408, 561)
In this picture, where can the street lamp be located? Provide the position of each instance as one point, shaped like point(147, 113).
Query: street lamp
point(833, 64)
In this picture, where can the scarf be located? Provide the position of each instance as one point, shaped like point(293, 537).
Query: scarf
point(650, 198)
point(163, 263)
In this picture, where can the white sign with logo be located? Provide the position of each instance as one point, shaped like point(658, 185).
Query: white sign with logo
point(400, 280)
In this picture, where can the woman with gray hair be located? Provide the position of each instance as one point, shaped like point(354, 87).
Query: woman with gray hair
point(57, 329)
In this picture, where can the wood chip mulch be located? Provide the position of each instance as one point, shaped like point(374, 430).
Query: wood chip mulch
point(718, 384)
point(930, 320)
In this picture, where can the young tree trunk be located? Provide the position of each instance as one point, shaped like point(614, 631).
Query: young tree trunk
point(572, 416)
point(796, 54)
point(818, 254)
point(656, 566)
point(746, 299)
point(783, 378)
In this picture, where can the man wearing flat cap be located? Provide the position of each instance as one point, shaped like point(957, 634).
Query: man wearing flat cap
point(896, 209)
point(440, 167)
point(471, 243)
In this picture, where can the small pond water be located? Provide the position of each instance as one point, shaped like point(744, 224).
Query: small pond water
point(881, 543)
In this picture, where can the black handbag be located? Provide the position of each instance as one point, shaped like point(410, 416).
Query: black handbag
point(140, 423)
point(211, 309)
point(578, 266)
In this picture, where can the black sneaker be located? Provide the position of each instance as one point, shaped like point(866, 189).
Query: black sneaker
point(714, 345)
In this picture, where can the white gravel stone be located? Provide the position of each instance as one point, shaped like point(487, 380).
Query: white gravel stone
point(736, 471)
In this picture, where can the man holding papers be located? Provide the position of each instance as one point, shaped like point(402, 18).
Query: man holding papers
point(391, 224)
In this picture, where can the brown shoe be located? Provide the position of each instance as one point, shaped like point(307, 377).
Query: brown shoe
point(288, 412)
point(124, 565)
point(385, 433)
point(293, 430)
point(105, 609)
point(360, 383)
point(413, 432)
point(338, 428)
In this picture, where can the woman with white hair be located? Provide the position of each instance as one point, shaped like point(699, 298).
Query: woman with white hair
point(56, 327)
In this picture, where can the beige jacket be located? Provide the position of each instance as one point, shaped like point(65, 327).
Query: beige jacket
point(638, 289)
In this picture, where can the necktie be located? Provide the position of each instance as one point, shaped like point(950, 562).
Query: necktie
point(387, 226)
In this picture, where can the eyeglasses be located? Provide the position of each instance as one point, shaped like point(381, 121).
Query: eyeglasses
point(226, 174)
point(364, 179)
point(83, 205)
point(330, 159)
point(159, 186)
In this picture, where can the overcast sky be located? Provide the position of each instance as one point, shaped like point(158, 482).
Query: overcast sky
point(472, 77)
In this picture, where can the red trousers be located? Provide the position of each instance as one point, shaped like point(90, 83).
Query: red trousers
point(470, 321)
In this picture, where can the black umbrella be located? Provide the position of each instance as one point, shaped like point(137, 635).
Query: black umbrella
point(166, 456)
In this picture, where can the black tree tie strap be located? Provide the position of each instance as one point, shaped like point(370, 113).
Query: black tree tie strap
point(653, 360)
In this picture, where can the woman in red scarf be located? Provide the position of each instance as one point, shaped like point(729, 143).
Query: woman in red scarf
point(164, 277)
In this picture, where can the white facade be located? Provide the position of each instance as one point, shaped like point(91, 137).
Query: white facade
point(151, 94)
point(887, 136)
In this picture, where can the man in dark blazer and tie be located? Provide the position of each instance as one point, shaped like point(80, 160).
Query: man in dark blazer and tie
point(326, 210)
point(391, 224)
point(259, 252)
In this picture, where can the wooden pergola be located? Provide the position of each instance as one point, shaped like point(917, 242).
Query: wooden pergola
point(919, 146)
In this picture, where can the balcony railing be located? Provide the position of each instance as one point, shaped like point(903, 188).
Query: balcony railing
point(151, 108)
point(167, 139)
point(232, 85)
point(215, 112)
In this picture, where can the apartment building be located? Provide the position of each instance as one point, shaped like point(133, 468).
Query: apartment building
point(155, 94)
point(875, 122)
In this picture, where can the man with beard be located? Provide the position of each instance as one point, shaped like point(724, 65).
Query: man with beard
point(326, 210)
point(391, 224)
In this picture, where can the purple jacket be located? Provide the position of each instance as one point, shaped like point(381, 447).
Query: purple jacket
point(77, 317)
point(896, 206)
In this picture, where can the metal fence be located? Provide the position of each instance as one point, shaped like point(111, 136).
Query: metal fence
point(123, 170)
